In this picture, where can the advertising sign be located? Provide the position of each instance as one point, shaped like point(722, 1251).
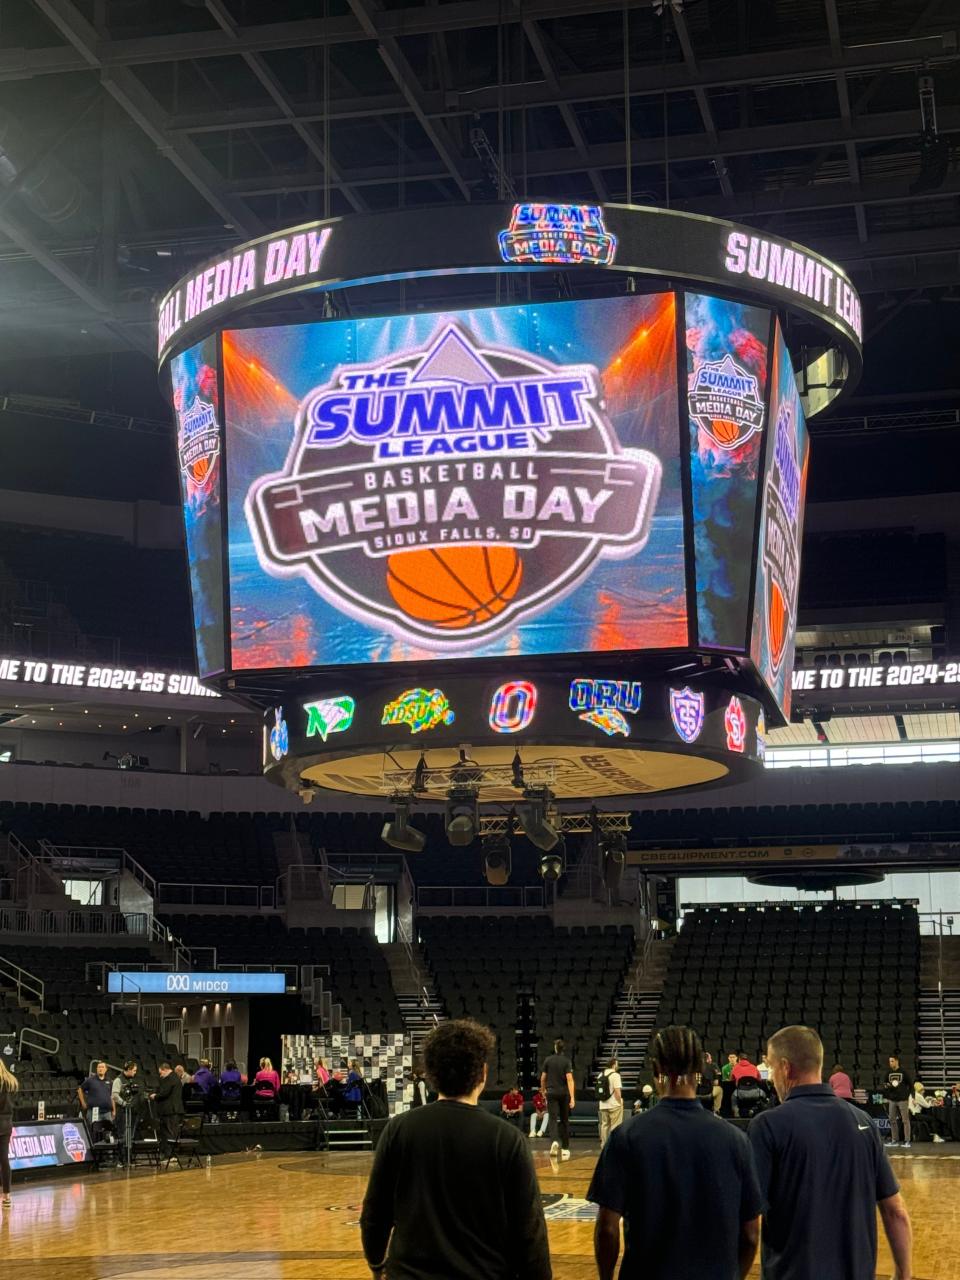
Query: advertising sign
point(781, 527)
point(468, 484)
point(726, 394)
point(196, 403)
point(52, 1142)
point(197, 984)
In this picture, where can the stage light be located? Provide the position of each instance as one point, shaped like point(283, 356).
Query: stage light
point(613, 851)
point(516, 769)
point(462, 819)
point(551, 866)
point(420, 774)
point(496, 860)
point(398, 834)
point(534, 816)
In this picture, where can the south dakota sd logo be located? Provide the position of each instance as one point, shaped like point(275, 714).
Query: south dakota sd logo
point(448, 493)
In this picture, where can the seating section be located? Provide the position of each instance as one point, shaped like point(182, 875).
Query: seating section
point(479, 965)
point(148, 619)
point(175, 847)
point(359, 976)
point(889, 821)
point(852, 972)
point(63, 970)
point(870, 568)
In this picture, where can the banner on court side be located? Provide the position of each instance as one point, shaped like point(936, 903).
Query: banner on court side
point(779, 855)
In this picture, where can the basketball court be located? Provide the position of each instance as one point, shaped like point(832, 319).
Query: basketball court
point(286, 1216)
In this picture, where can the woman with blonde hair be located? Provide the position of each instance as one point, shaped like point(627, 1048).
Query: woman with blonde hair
point(9, 1084)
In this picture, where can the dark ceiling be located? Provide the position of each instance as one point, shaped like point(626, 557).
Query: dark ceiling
point(138, 137)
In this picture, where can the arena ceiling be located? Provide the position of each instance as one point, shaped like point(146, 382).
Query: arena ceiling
point(137, 138)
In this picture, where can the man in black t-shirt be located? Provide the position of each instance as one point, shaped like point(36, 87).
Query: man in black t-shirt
point(453, 1191)
point(681, 1179)
point(556, 1081)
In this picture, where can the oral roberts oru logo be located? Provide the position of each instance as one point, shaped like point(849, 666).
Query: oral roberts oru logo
point(417, 486)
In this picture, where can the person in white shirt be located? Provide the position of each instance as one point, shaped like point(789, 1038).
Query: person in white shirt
point(610, 1095)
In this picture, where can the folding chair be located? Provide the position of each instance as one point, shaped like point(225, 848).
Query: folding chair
point(187, 1143)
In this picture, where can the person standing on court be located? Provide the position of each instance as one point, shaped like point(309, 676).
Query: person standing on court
point(9, 1084)
point(682, 1181)
point(556, 1081)
point(609, 1099)
point(897, 1091)
point(96, 1101)
point(168, 1105)
point(823, 1173)
point(453, 1194)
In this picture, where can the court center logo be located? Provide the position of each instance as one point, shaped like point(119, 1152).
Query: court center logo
point(198, 442)
point(725, 401)
point(781, 536)
point(417, 487)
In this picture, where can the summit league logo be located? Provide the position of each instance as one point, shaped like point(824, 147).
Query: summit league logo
point(415, 484)
point(198, 442)
point(725, 401)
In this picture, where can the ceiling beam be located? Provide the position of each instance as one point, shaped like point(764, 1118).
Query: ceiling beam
point(646, 151)
point(568, 113)
point(395, 60)
point(700, 93)
point(843, 96)
point(124, 87)
point(260, 68)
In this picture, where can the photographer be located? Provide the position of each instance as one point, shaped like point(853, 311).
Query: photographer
point(127, 1100)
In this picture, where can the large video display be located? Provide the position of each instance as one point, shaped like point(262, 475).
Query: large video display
point(475, 483)
point(196, 402)
point(727, 346)
point(783, 493)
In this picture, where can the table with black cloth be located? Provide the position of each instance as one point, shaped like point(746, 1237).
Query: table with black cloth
point(298, 1098)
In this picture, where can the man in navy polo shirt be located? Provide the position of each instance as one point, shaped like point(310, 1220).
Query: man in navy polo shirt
point(823, 1173)
point(681, 1179)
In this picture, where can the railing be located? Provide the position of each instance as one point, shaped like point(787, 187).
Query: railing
point(29, 988)
point(259, 896)
point(495, 898)
point(31, 1038)
point(943, 924)
point(32, 876)
point(93, 854)
point(112, 924)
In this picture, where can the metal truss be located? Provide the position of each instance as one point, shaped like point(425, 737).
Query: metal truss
point(498, 824)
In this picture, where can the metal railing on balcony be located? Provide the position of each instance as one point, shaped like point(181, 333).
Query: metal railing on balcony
point(28, 988)
point(175, 894)
point(482, 896)
point(81, 923)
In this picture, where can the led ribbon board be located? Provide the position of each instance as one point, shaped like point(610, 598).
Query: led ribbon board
point(658, 243)
point(196, 984)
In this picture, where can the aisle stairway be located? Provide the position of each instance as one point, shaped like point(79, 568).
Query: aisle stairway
point(420, 1006)
point(938, 1036)
point(634, 1016)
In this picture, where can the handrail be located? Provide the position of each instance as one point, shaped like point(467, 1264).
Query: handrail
point(29, 866)
point(24, 981)
point(31, 1038)
point(125, 860)
point(179, 893)
point(73, 923)
point(519, 897)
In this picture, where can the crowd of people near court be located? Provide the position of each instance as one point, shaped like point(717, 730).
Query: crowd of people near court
point(453, 1190)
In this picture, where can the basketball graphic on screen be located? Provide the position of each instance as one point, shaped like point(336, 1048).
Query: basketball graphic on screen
point(777, 623)
point(454, 588)
point(725, 432)
point(200, 469)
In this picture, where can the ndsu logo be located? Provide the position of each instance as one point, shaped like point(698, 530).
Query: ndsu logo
point(198, 442)
point(724, 399)
point(417, 486)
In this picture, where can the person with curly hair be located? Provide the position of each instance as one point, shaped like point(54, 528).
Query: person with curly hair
point(452, 1194)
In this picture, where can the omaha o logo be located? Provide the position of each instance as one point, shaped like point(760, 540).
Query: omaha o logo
point(513, 706)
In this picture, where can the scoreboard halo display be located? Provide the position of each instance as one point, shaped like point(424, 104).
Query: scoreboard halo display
point(383, 514)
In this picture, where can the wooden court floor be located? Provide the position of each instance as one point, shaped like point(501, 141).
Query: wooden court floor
point(293, 1217)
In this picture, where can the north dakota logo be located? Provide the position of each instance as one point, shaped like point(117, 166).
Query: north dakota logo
point(447, 493)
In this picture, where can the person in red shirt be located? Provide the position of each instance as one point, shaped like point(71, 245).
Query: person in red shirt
point(540, 1113)
point(511, 1107)
point(744, 1069)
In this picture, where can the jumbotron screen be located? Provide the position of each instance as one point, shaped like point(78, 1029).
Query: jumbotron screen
point(513, 482)
point(466, 484)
